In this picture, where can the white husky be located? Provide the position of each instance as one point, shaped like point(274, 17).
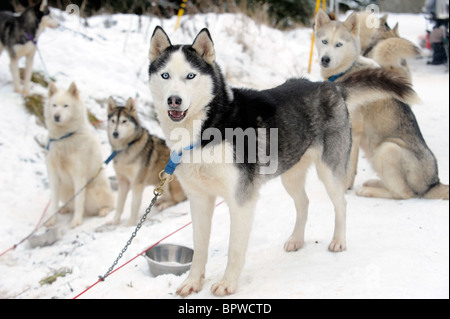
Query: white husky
point(74, 157)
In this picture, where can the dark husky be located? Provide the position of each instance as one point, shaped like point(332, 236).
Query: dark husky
point(139, 160)
point(19, 35)
point(305, 123)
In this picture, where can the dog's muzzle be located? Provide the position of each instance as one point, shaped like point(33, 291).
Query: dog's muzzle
point(325, 61)
point(175, 114)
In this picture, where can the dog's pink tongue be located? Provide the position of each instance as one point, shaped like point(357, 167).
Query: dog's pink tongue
point(176, 113)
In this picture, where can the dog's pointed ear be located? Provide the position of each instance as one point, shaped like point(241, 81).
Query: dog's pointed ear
point(131, 106)
point(111, 104)
point(52, 89)
point(352, 24)
point(396, 30)
point(383, 20)
point(73, 90)
point(321, 19)
point(204, 46)
point(159, 43)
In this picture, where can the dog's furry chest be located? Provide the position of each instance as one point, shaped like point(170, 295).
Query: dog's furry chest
point(204, 173)
point(22, 50)
point(136, 173)
point(141, 162)
point(75, 153)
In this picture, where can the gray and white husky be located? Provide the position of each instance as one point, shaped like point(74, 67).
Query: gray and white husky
point(139, 158)
point(19, 35)
point(233, 140)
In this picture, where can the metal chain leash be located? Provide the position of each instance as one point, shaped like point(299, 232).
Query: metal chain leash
point(157, 192)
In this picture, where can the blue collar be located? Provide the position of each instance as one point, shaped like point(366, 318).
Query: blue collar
point(337, 76)
point(115, 153)
point(175, 159)
point(58, 139)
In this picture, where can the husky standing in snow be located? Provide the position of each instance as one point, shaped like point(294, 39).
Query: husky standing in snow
point(308, 123)
point(139, 160)
point(74, 157)
point(385, 128)
point(19, 36)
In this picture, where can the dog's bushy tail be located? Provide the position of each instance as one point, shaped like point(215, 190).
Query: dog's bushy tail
point(371, 85)
point(440, 191)
point(391, 51)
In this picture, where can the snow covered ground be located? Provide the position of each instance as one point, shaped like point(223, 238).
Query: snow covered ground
point(396, 249)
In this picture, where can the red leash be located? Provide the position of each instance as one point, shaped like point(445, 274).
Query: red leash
point(31, 234)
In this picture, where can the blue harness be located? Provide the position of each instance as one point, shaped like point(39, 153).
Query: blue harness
point(58, 139)
point(115, 153)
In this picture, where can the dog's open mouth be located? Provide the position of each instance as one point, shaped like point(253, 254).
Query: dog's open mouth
point(178, 116)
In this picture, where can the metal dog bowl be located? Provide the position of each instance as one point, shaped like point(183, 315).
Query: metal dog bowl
point(44, 238)
point(169, 259)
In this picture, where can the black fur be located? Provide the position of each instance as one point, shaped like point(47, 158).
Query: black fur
point(305, 113)
point(20, 29)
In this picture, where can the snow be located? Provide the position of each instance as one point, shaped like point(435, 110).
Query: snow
point(396, 249)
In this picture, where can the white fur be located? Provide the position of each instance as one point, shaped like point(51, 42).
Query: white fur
point(73, 161)
point(162, 89)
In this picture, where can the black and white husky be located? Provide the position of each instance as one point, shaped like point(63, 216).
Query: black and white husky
point(233, 140)
point(19, 35)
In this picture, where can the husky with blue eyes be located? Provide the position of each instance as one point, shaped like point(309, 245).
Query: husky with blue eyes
point(385, 129)
point(233, 140)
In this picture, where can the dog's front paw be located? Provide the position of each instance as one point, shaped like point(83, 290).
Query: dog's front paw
point(76, 222)
point(51, 222)
point(224, 288)
point(103, 212)
point(365, 192)
point(293, 244)
point(164, 204)
point(189, 287)
point(113, 222)
point(65, 210)
point(337, 245)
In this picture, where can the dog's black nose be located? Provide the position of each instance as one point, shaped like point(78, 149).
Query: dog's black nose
point(174, 101)
point(116, 134)
point(326, 60)
point(57, 118)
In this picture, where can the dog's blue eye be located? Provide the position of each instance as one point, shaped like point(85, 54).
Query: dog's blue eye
point(339, 45)
point(165, 76)
point(324, 41)
point(191, 76)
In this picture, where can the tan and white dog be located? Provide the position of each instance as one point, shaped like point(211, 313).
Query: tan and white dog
point(140, 157)
point(386, 130)
point(74, 157)
point(391, 51)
